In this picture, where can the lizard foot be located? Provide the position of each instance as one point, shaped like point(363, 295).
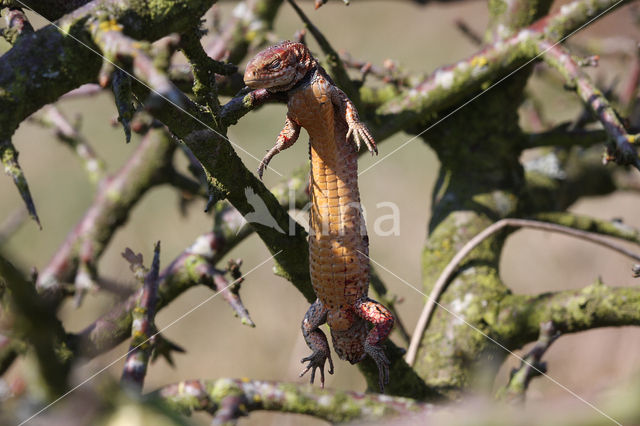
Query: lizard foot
point(359, 132)
point(263, 165)
point(317, 360)
point(377, 354)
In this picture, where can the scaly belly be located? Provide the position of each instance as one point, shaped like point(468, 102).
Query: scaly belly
point(337, 235)
point(337, 240)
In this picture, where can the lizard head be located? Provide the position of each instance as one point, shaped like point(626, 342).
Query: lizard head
point(279, 67)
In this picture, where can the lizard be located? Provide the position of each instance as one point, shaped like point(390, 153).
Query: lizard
point(338, 242)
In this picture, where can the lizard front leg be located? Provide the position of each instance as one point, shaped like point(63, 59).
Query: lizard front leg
point(382, 321)
point(317, 341)
point(357, 129)
point(287, 137)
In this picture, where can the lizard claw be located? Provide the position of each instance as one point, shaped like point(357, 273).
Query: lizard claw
point(359, 132)
point(264, 163)
point(317, 360)
point(377, 354)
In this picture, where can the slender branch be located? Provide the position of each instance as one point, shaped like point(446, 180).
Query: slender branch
point(530, 366)
point(450, 85)
point(71, 136)
point(18, 25)
point(119, 49)
point(562, 136)
point(560, 58)
point(148, 167)
point(204, 70)
point(36, 323)
point(12, 223)
point(615, 228)
point(192, 267)
point(9, 157)
point(468, 32)
point(142, 328)
point(388, 73)
point(451, 267)
point(334, 406)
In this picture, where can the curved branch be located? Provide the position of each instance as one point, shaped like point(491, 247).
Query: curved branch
point(444, 277)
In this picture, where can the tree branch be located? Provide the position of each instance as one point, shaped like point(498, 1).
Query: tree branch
point(18, 25)
point(450, 85)
point(249, 395)
point(142, 328)
point(41, 68)
point(517, 322)
point(562, 136)
point(530, 366)
point(36, 324)
point(149, 166)
point(9, 157)
point(443, 279)
point(558, 57)
point(70, 135)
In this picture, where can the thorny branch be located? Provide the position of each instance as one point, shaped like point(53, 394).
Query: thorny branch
point(143, 328)
point(623, 151)
point(530, 367)
point(76, 260)
point(69, 134)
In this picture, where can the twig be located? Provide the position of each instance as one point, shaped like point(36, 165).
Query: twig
point(142, 328)
point(440, 285)
point(117, 47)
point(11, 224)
point(148, 166)
point(470, 33)
point(70, 135)
point(388, 73)
point(530, 366)
point(18, 25)
point(560, 58)
point(9, 157)
point(204, 71)
point(334, 64)
point(194, 266)
point(562, 136)
point(460, 82)
point(36, 323)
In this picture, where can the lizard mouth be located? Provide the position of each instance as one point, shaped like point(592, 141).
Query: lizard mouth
point(274, 84)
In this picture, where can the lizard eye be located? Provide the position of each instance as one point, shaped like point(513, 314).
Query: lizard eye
point(274, 64)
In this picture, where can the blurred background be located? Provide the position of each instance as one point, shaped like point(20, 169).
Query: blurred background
point(419, 38)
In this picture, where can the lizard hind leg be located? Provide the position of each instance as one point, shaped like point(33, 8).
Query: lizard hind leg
point(382, 321)
point(317, 341)
point(287, 137)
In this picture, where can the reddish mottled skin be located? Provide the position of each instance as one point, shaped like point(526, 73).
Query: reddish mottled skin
point(338, 243)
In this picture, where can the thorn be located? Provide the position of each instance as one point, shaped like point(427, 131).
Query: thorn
point(9, 157)
point(121, 86)
point(104, 76)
